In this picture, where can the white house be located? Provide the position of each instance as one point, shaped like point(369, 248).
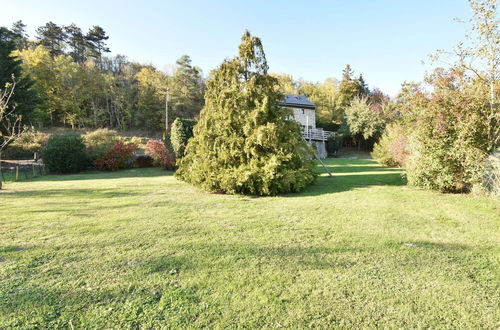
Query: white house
point(304, 111)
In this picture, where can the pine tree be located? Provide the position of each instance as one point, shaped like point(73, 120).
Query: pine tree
point(97, 46)
point(244, 142)
point(53, 37)
point(350, 88)
point(77, 43)
point(363, 87)
point(347, 73)
point(20, 35)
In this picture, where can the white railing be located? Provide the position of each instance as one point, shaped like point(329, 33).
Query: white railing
point(317, 134)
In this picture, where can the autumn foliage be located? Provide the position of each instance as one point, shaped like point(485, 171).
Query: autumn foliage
point(118, 157)
point(160, 154)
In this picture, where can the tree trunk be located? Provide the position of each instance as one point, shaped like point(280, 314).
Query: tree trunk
point(493, 131)
point(94, 110)
point(1, 173)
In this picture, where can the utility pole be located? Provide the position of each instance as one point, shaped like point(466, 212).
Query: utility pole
point(166, 112)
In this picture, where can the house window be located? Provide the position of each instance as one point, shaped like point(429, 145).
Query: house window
point(302, 111)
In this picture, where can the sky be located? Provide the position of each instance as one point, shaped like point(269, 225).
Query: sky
point(385, 40)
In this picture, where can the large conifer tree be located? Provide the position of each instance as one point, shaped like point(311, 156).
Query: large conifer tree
point(24, 99)
point(244, 143)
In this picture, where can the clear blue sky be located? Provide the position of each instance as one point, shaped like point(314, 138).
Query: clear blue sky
point(385, 40)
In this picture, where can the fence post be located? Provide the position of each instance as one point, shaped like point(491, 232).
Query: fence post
point(33, 167)
point(17, 172)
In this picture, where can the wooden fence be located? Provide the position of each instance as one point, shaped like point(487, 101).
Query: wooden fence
point(21, 170)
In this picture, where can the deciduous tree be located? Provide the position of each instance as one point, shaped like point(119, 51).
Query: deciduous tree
point(10, 122)
point(479, 56)
point(186, 89)
point(364, 120)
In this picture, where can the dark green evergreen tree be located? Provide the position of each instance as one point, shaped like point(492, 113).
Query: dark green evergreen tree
point(180, 133)
point(347, 73)
point(349, 87)
point(363, 87)
point(244, 143)
point(77, 43)
point(24, 99)
point(53, 37)
point(20, 35)
point(96, 38)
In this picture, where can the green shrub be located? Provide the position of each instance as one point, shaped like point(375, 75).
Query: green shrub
point(244, 142)
point(333, 144)
point(381, 152)
point(452, 132)
point(99, 142)
point(180, 132)
point(392, 149)
point(26, 145)
point(65, 153)
point(442, 166)
point(139, 141)
point(102, 136)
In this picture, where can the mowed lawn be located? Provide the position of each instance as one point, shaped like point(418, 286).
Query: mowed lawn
point(139, 249)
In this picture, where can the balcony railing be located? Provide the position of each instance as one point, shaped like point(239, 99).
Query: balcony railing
point(316, 134)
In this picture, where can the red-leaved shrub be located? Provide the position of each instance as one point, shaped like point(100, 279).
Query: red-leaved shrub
point(160, 154)
point(118, 157)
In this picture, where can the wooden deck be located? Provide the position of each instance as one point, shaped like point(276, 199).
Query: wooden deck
point(316, 134)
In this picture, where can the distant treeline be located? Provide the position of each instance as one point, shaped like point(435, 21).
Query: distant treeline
point(64, 78)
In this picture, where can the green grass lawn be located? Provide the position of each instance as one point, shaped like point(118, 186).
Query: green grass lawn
point(138, 248)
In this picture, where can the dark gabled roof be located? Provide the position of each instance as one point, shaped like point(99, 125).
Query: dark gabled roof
point(297, 101)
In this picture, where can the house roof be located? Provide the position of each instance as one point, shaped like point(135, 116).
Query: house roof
point(297, 101)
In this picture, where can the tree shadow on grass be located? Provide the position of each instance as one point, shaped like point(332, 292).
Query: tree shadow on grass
point(88, 194)
point(342, 256)
point(362, 263)
point(94, 175)
point(358, 169)
point(57, 306)
point(349, 175)
point(11, 248)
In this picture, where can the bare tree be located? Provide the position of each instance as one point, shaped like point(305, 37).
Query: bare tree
point(10, 122)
